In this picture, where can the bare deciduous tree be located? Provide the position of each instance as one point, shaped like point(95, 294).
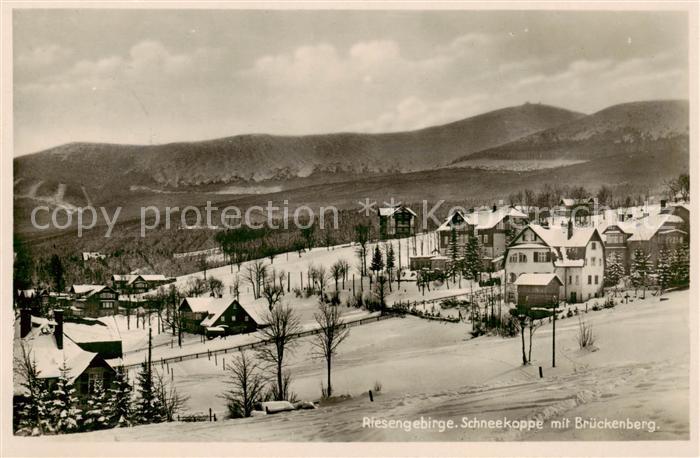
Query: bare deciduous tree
point(282, 329)
point(272, 292)
point(247, 386)
point(329, 319)
point(255, 274)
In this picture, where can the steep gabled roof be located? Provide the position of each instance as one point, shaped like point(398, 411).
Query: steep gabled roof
point(388, 211)
point(216, 308)
point(84, 289)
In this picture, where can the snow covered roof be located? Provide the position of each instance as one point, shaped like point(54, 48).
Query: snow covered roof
point(48, 357)
point(257, 310)
point(215, 307)
point(83, 289)
point(130, 278)
point(83, 333)
point(388, 211)
point(489, 218)
point(455, 218)
point(201, 304)
point(536, 279)
point(569, 263)
point(556, 236)
point(28, 293)
point(646, 228)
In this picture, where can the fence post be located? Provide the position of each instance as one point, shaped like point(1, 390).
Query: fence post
point(209, 413)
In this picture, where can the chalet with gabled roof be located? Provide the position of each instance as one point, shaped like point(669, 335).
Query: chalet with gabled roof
point(396, 221)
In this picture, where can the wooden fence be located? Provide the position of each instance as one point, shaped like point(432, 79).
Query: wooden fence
point(253, 345)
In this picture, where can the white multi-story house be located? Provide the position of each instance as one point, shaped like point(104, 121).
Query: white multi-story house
point(575, 255)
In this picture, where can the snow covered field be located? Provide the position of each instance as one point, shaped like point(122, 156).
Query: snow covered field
point(432, 370)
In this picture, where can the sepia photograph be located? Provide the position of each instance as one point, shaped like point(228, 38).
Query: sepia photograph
point(349, 223)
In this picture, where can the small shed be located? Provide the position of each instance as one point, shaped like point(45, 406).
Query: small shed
point(538, 289)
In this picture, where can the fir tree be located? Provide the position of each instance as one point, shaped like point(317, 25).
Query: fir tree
point(640, 270)
point(680, 266)
point(663, 270)
point(148, 408)
point(614, 271)
point(33, 413)
point(377, 264)
point(390, 262)
point(119, 400)
point(472, 258)
point(64, 408)
point(96, 414)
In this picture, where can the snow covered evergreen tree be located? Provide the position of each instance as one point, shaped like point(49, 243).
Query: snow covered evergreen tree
point(148, 408)
point(640, 270)
point(390, 262)
point(377, 264)
point(472, 258)
point(119, 409)
point(32, 414)
point(96, 413)
point(614, 270)
point(663, 269)
point(64, 405)
point(680, 266)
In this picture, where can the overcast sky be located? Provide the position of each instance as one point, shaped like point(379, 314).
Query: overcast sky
point(162, 76)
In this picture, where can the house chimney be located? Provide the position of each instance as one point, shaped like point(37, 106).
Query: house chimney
point(569, 230)
point(663, 203)
point(25, 322)
point(494, 208)
point(58, 330)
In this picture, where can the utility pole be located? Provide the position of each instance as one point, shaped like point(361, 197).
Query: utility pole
point(554, 332)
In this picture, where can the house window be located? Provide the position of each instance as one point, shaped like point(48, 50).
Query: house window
point(246, 318)
point(596, 279)
point(94, 380)
point(513, 277)
point(108, 305)
point(522, 257)
point(593, 261)
point(593, 245)
point(513, 257)
point(232, 318)
point(485, 239)
point(577, 279)
point(589, 279)
point(600, 261)
point(541, 256)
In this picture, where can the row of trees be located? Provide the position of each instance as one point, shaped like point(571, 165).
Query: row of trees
point(672, 268)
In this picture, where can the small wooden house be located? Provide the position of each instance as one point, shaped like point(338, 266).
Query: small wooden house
point(224, 315)
point(94, 300)
point(396, 221)
point(538, 289)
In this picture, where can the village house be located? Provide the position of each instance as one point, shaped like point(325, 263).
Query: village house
point(138, 283)
point(49, 347)
point(94, 300)
point(396, 221)
point(656, 233)
point(456, 225)
point(221, 315)
point(575, 255)
point(492, 226)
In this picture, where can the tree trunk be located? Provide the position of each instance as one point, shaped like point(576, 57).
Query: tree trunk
point(522, 336)
point(330, 390)
point(280, 387)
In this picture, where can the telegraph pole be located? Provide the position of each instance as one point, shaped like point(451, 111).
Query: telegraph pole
point(554, 333)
